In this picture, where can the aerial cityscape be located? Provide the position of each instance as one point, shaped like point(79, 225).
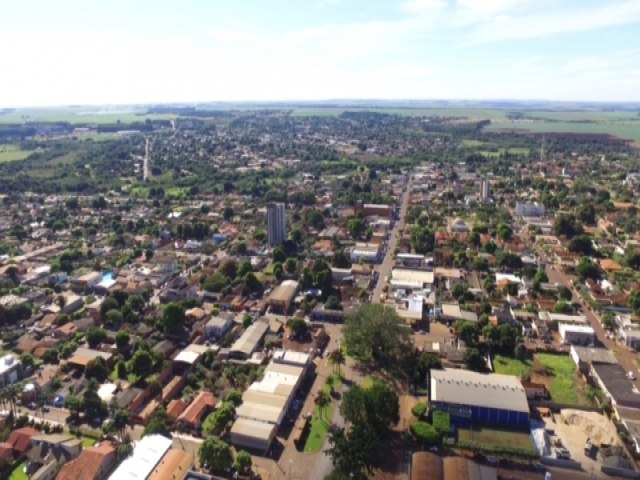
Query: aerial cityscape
point(320, 242)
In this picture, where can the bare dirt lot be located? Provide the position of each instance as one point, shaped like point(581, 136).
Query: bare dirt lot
point(573, 427)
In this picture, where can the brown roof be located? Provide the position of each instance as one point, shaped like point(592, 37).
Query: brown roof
point(608, 264)
point(172, 466)
point(20, 439)
point(455, 468)
point(175, 408)
point(5, 451)
point(87, 464)
point(194, 411)
point(426, 466)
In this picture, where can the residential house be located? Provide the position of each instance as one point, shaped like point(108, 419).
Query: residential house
point(92, 463)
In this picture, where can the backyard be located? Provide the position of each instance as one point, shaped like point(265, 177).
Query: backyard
point(557, 372)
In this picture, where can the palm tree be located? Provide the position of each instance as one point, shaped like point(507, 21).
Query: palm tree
point(322, 400)
point(337, 358)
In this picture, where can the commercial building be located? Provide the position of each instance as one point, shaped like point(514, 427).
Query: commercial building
point(10, 368)
point(576, 334)
point(411, 279)
point(527, 209)
point(613, 381)
point(429, 466)
point(249, 341)
point(472, 397)
point(584, 357)
point(147, 453)
point(266, 403)
point(276, 223)
point(282, 296)
point(218, 326)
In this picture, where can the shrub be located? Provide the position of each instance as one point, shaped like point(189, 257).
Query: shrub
point(419, 409)
point(424, 433)
point(442, 422)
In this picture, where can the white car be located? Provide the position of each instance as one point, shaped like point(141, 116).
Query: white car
point(631, 376)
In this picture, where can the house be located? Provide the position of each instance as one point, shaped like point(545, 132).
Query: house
point(48, 453)
point(218, 326)
point(86, 281)
point(92, 463)
point(10, 369)
point(178, 289)
point(576, 334)
point(20, 440)
point(72, 303)
point(282, 296)
point(192, 416)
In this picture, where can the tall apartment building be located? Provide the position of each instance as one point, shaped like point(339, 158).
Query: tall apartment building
point(276, 223)
point(485, 193)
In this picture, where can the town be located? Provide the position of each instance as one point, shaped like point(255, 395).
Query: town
point(259, 294)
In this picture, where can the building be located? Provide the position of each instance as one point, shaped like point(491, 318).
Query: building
point(472, 397)
point(527, 209)
point(576, 334)
point(429, 466)
point(142, 462)
point(282, 296)
point(194, 414)
point(249, 341)
point(48, 453)
point(93, 462)
point(174, 465)
point(10, 370)
point(265, 404)
point(485, 192)
point(584, 357)
point(613, 381)
point(276, 223)
point(218, 326)
point(411, 279)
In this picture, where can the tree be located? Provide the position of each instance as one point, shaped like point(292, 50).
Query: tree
point(122, 339)
point(356, 227)
point(501, 339)
point(172, 319)
point(561, 307)
point(92, 404)
point(314, 218)
point(242, 462)
point(422, 239)
point(422, 366)
point(480, 264)
point(278, 255)
point(333, 303)
point(27, 360)
point(581, 244)
point(227, 213)
point(158, 424)
point(298, 326)
point(120, 422)
point(108, 304)
point(587, 213)
point(229, 268)
point(233, 396)
point(337, 359)
point(567, 224)
point(290, 265)
point(95, 336)
point(634, 299)
point(114, 318)
point(540, 276)
point(467, 331)
point(375, 333)
point(322, 400)
point(587, 269)
point(354, 453)
point(215, 455)
point(217, 421)
point(141, 363)
point(424, 433)
point(244, 267)
point(96, 369)
point(340, 259)
point(564, 293)
point(504, 232)
point(73, 404)
point(377, 406)
point(473, 360)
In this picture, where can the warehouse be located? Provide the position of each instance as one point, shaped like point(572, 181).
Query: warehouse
point(472, 397)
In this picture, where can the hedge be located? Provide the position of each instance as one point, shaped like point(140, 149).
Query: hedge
point(424, 433)
point(419, 409)
point(442, 422)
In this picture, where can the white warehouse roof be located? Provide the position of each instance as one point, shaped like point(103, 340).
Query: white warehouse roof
point(464, 387)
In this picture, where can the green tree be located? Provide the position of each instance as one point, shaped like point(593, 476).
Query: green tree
point(504, 232)
point(242, 462)
point(562, 307)
point(172, 320)
point(122, 339)
point(108, 304)
point(141, 363)
point(215, 454)
point(95, 336)
point(473, 360)
point(356, 227)
point(73, 404)
point(375, 333)
point(467, 331)
point(322, 401)
point(377, 406)
point(587, 269)
point(634, 299)
point(92, 404)
point(567, 224)
point(298, 326)
point(424, 433)
point(354, 453)
point(158, 424)
point(96, 369)
point(564, 293)
point(217, 421)
point(581, 244)
point(337, 359)
point(541, 276)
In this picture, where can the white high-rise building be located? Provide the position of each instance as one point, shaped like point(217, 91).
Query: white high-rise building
point(484, 189)
point(276, 223)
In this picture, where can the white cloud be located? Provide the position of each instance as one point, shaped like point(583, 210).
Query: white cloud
point(422, 6)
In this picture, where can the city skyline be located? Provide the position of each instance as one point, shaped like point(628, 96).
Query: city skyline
point(121, 53)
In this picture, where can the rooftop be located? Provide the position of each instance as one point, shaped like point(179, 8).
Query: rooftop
point(146, 455)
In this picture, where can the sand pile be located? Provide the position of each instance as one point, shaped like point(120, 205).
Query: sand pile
point(593, 425)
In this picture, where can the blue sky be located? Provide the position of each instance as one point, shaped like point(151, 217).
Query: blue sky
point(121, 52)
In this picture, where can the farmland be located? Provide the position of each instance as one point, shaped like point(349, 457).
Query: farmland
point(81, 116)
point(12, 153)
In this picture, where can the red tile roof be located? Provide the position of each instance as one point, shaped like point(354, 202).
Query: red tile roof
point(194, 411)
point(20, 439)
point(87, 464)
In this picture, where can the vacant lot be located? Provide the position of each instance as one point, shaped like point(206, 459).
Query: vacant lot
point(497, 437)
point(557, 372)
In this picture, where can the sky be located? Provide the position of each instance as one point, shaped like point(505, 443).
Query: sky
point(160, 51)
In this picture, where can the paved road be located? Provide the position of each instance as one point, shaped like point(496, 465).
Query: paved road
point(145, 168)
point(626, 359)
point(384, 268)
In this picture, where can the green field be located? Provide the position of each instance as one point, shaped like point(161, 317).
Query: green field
point(12, 153)
point(497, 438)
point(18, 473)
point(562, 383)
point(88, 441)
point(81, 115)
point(320, 422)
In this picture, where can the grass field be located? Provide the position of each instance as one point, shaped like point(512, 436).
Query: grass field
point(497, 438)
point(81, 115)
point(18, 473)
point(12, 153)
point(626, 129)
point(88, 441)
point(320, 421)
point(561, 380)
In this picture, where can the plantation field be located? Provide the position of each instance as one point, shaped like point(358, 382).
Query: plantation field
point(626, 129)
point(497, 438)
point(86, 115)
point(12, 153)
